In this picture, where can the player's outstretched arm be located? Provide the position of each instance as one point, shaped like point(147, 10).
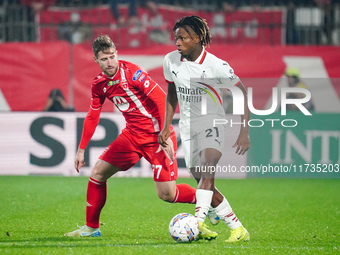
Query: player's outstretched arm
point(79, 159)
point(243, 141)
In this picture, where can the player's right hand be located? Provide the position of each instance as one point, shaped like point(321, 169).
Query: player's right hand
point(163, 136)
point(79, 159)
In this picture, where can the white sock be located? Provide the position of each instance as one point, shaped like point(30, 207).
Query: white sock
point(226, 214)
point(203, 201)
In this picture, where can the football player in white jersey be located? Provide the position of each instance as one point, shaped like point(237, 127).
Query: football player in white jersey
point(195, 78)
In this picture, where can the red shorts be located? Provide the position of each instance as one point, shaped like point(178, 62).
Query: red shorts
point(129, 147)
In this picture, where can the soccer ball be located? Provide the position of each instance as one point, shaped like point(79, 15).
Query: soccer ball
point(183, 228)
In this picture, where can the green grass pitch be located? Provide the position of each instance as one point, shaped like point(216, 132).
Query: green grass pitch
point(283, 216)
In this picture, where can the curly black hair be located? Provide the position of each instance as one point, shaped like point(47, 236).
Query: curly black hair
point(198, 25)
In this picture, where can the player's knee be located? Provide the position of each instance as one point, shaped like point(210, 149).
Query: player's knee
point(210, 157)
point(98, 174)
point(166, 196)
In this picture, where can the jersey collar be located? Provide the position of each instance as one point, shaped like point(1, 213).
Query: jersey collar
point(200, 59)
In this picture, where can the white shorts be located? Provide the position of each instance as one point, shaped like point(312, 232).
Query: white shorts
point(197, 136)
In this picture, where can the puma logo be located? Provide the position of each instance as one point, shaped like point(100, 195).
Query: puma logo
point(219, 142)
point(175, 73)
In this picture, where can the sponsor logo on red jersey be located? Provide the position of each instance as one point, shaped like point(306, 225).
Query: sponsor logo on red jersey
point(136, 75)
point(121, 103)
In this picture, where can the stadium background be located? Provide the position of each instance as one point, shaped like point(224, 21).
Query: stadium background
point(260, 39)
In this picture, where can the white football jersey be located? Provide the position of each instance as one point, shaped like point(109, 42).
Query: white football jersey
point(198, 84)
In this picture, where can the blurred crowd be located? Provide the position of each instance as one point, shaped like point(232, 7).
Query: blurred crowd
point(319, 18)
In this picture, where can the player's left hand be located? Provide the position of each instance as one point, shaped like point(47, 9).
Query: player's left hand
point(168, 149)
point(242, 144)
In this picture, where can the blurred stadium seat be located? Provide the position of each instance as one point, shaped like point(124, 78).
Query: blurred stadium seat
point(240, 22)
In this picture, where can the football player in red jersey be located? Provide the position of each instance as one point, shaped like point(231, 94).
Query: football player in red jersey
point(142, 103)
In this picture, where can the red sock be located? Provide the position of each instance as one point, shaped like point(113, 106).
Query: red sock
point(185, 194)
point(96, 198)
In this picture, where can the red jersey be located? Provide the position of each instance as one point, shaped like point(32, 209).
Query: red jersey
point(135, 94)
